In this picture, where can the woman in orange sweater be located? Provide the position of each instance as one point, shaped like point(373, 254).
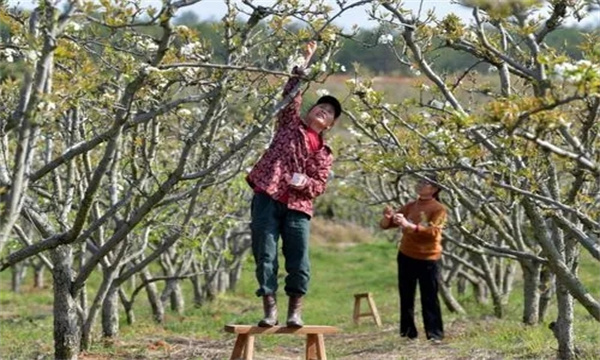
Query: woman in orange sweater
point(419, 253)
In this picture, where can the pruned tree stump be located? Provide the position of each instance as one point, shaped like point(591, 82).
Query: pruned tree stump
point(244, 343)
point(373, 309)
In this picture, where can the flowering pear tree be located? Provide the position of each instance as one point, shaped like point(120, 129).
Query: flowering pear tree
point(517, 147)
point(116, 127)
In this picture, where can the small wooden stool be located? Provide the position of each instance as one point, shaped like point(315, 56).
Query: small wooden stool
point(244, 344)
point(374, 313)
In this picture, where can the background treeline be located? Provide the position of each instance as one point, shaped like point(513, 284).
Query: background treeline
point(379, 59)
point(364, 49)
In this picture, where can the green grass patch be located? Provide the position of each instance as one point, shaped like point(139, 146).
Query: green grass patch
point(339, 270)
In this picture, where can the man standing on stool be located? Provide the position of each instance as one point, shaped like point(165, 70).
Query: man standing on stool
point(289, 175)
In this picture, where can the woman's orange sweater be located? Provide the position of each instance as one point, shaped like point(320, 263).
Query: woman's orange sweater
point(425, 243)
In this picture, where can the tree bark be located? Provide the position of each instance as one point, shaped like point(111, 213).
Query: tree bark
point(38, 276)
point(546, 291)
point(451, 303)
point(66, 329)
point(110, 313)
point(531, 292)
point(18, 272)
point(176, 297)
point(563, 328)
point(158, 310)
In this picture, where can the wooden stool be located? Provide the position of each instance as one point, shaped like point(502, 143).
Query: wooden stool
point(244, 344)
point(373, 312)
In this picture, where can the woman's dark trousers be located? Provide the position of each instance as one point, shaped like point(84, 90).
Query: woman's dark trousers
point(425, 272)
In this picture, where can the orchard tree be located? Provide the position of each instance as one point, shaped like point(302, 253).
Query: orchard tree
point(518, 148)
point(117, 125)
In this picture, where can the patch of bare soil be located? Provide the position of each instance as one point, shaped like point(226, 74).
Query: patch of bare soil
point(379, 344)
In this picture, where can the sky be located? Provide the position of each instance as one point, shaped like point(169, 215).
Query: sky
point(215, 9)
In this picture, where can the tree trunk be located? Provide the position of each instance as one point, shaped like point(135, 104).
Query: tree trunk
point(451, 303)
point(461, 286)
point(176, 297)
point(509, 278)
point(563, 328)
point(38, 276)
point(235, 274)
point(158, 310)
point(531, 293)
point(110, 313)
point(18, 272)
point(197, 287)
point(66, 329)
point(128, 306)
point(546, 291)
point(223, 284)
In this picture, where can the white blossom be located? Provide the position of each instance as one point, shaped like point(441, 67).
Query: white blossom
point(342, 68)
point(355, 133)
point(296, 60)
point(323, 67)
point(385, 39)
point(365, 116)
point(437, 104)
point(330, 37)
point(184, 112)
point(73, 27)
point(322, 92)
point(148, 44)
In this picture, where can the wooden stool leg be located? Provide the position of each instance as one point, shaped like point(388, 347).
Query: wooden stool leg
point(240, 346)
point(321, 355)
point(311, 347)
point(249, 349)
point(356, 315)
point(374, 311)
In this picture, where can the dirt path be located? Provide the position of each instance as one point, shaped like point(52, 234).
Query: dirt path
point(383, 344)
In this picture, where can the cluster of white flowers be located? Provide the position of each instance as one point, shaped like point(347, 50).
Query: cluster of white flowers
point(147, 44)
point(46, 106)
point(295, 60)
point(385, 39)
point(73, 27)
point(147, 69)
point(330, 37)
point(353, 131)
point(436, 104)
point(193, 51)
point(574, 73)
point(184, 112)
point(415, 71)
point(322, 92)
point(440, 136)
point(8, 54)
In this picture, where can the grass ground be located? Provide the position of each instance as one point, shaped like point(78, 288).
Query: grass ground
point(340, 269)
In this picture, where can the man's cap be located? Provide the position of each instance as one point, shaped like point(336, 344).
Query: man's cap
point(328, 99)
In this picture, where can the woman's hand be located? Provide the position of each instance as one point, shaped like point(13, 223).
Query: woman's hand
point(388, 212)
point(298, 181)
point(310, 50)
point(400, 220)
